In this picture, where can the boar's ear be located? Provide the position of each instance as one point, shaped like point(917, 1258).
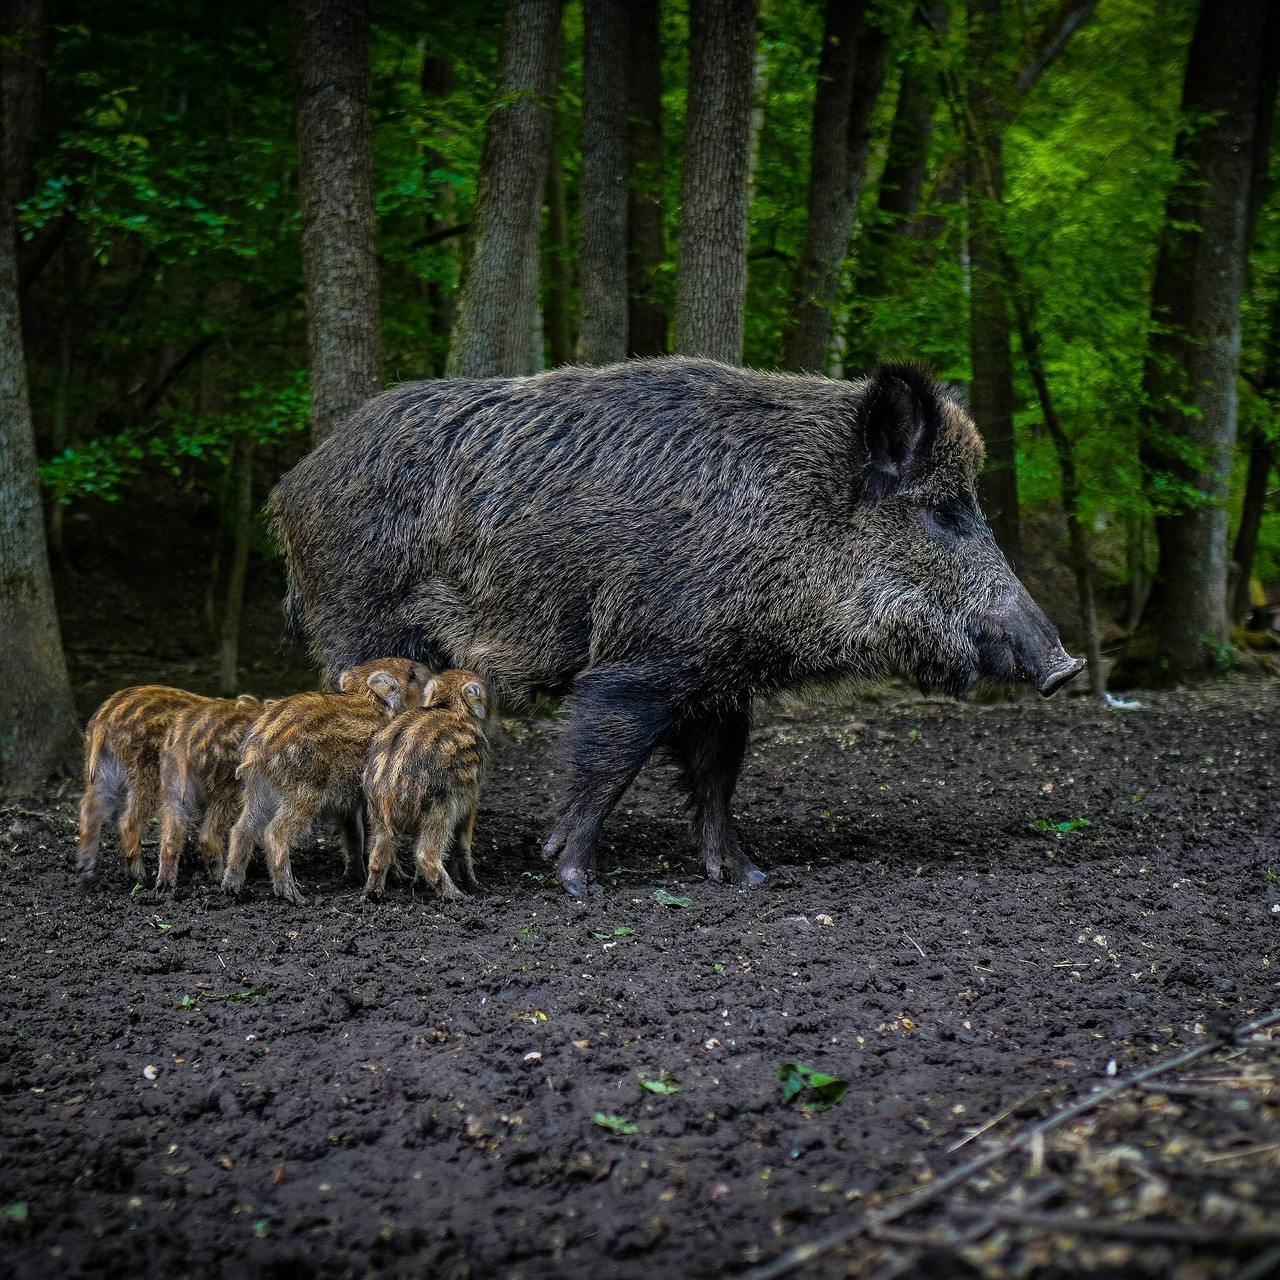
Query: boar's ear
point(386, 689)
point(477, 699)
point(429, 692)
point(899, 417)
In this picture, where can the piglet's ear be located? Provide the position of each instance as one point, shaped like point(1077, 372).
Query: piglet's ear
point(344, 682)
point(246, 701)
point(386, 689)
point(429, 692)
point(477, 699)
point(900, 416)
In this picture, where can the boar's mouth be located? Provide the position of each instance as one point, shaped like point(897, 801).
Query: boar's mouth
point(1050, 682)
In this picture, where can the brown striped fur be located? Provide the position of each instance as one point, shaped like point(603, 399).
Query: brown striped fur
point(422, 781)
point(303, 758)
point(123, 743)
point(198, 780)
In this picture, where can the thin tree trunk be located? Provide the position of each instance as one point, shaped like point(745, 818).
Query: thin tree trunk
point(898, 198)
point(335, 179)
point(558, 319)
point(1261, 458)
point(602, 219)
point(1190, 420)
point(496, 308)
point(21, 82)
point(436, 83)
point(58, 429)
point(38, 732)
point(711, 272)
point(850, 76)
point(238, 569)
point(990, 357)
point(647, 315)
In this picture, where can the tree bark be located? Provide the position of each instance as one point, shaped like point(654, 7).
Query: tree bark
point(238, 569)
point(335, 179)
point(497, 307)
point(436, 83)
point(1189, 426)
point(647, 314)
point(558, 314)
point(850, 76)
point(22, 41)
point(602, 221)
point(901, 183)
point(711, 272)
point(991, 361)
point(38, 731)
point(1261, 459)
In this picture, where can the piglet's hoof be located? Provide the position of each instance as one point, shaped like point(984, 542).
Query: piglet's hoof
point(290, 892)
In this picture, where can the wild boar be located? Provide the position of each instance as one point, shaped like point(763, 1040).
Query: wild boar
point(123, 741)
point(302, 760)
point(660, 543)
point(198, 780)
point(422, 780)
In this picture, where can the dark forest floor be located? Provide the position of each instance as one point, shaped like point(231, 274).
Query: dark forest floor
point(199, 1085)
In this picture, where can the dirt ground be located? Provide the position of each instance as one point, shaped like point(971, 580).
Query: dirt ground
point(247, 1088)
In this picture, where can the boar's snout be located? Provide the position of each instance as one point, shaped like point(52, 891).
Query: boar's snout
point(1051, 680)
point(1017, 643)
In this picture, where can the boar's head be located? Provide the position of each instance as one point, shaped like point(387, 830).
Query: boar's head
point(934, 595)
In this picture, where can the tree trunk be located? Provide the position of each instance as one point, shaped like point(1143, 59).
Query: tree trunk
point(602, 220)
point(497, 307)
point(38, 732)
point(1261, 457)
point(1189, 425)
point(558, 320)
point(435, 83)
point(901, 183)
point(237, 570)
point(335, 180)
point(21, 82)
point(647, 315)
point(850, 76)
point(711, 273)
point(58, 427)
point(991, 362)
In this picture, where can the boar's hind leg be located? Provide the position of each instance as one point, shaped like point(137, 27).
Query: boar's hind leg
point(709, 750)
point(615, 718)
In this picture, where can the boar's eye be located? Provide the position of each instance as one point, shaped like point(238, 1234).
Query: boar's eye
point(949, 521)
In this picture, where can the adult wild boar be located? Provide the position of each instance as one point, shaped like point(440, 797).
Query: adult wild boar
point(659, 542)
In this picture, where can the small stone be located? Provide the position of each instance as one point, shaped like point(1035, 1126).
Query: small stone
point(150, 1071)
point(532, 1056)
point(825, 921)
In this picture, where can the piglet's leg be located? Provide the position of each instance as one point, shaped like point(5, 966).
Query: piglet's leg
point(435, 838)
point(212, 836)
point(259, 807)
point(99, 802)
point(615, 717)
point(176, 806)
point(353, 844)
point(462, 847)
point(382, 853)
point(283, 831)
point(138, 809)
point(709, 750)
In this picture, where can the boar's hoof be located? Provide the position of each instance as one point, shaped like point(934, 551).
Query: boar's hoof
point(738, 871)
point(577, 883)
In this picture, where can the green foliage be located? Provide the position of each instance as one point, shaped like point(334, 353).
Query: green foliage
point(1069, 826)
point(811, 1090)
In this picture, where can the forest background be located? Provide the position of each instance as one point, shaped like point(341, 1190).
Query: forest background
point(232, 223)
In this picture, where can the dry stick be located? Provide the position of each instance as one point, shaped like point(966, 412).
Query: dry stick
point(1168, 1232)
point(805, 1253)
point(1265, 1264)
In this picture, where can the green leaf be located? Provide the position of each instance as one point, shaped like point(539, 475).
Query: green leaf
point(1068, 827)
point(137, 889)
point(188, 1002)
point(1273, 876)
point(619, 1125)
point(665, 899)
point(817, 1090)
point(618, 931)
point(250, 994)
point(18, 1211)
point(664, 1084)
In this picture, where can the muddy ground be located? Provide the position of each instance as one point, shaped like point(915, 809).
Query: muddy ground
point(200, 1085)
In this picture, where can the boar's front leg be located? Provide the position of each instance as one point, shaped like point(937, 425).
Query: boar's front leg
point(709, 749)
point(615, 717)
